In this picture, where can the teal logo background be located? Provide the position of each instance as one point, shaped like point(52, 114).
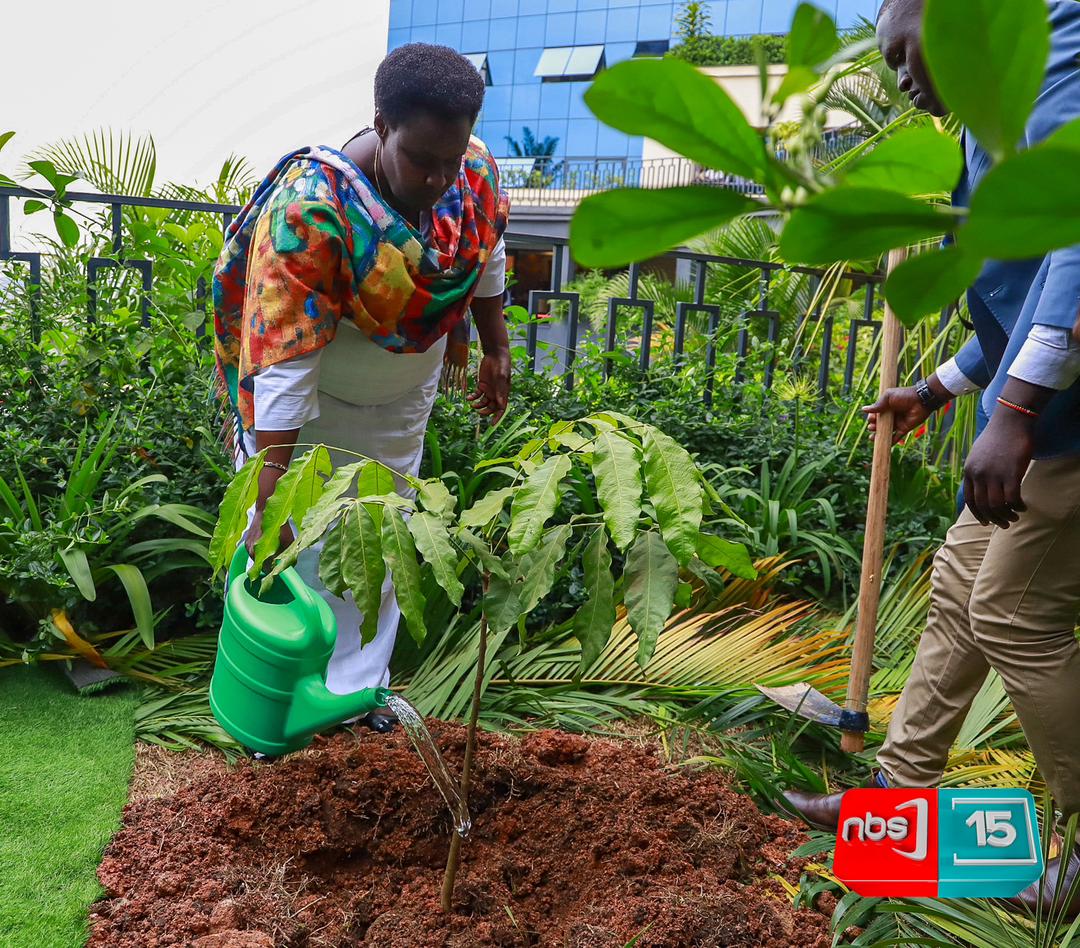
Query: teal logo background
point(988, 843)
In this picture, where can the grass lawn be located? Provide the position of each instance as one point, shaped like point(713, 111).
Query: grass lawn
point(65, 765)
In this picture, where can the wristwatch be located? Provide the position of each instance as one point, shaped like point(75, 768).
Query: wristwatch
point(927, 396)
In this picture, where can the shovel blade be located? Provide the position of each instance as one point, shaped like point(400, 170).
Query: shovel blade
point(811, 704)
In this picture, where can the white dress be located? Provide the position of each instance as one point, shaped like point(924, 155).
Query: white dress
point(355, 395)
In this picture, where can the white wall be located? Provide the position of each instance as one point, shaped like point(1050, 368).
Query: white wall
point(205, 77)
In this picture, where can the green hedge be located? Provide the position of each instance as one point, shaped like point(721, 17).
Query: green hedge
point(730, 50)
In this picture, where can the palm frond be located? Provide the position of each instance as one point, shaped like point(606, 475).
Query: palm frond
point(113, 163)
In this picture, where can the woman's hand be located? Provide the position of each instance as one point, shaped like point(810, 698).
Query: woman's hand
point(255, 532)
point(492, 384)
point(907, 410)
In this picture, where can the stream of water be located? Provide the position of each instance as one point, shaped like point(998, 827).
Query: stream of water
point(425, 746)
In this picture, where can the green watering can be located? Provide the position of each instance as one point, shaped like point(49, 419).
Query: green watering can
point(269, 685)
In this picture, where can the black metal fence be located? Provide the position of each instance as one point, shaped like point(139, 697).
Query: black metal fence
point(564, 336)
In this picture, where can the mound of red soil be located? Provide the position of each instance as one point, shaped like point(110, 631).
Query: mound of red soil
point(575, 843)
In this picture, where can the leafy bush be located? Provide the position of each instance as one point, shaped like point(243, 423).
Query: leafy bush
point(730, 50)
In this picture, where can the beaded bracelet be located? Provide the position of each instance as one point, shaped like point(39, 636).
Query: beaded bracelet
point(274, 464)
point(1019, 408)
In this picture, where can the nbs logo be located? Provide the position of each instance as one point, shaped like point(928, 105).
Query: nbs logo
point(946, 843)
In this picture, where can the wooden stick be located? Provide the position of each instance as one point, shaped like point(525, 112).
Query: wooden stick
point(470, 746)
point(862, 653)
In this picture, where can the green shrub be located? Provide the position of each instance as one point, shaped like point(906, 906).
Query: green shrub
point(730, 50)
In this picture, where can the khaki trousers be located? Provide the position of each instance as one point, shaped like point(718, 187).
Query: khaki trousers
point(1008, 600)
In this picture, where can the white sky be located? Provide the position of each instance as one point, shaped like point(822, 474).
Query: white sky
point(205, 77)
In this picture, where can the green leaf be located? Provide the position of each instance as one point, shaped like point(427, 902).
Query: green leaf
point(707, 575)
point(652, 576)
point(673, 103)
point(594, 620)
point(610, 230)
point(330, 562)
point(537, 569)
point(362, 566)
point(32, 207)
point(858, 224)
point(734, 557)
point(66, 228)
point(79, 569)
point(241, 493)
point(433, 542)
point(918, 160)
point(502, 603)
point(399, 552)
point(684, 595)
point(486, 508)
point(375, 480)
point(534, 503)
point(1006, 224)
point(435, 497)
point(5, 137)
point(813, 38)
point(797, 81)
point(988, 61)
point(616, 467)
point(139, 597)
point(47, 170)
point(294, 494)
point(929, 282)
point(675, 490)
point(488, 561)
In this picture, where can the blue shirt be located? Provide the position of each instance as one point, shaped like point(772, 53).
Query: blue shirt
point(1010, 297)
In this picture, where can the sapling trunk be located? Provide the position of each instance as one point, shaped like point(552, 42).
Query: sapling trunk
point(470, 747)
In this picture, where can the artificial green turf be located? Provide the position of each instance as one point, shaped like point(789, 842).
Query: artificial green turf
point(65, 765)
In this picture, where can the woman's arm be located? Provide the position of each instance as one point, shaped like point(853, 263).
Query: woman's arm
point(493, 382)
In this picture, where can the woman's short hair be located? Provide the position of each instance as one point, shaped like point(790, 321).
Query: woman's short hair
point(422, 77)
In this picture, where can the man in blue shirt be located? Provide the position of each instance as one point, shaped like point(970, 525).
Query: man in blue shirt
point(1006, 583)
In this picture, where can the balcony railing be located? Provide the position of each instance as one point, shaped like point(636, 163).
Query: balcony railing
point(544, 181)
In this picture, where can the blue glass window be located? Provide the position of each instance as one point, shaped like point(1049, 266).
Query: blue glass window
point(400, 13)
point(503, 34)
point(529, 30)
point(743, 16)
point(560, 29)
point(556, 129)
point(624, 3)
point(621, 26)
point(448, 34)
point(776, 16)
point(475, 9)
point(424, 12)
point(474, 37)
point(610, 143)
point(531, 7)
point(525, 105)
point(581, 138)
point(497, 103)
point(590, 27)
point(525, 65)
point(450, 11)
point(494, 136)
point(848, 12)
point(717, 11)
point(554, 100)
point(617, 52)
point(569, 6)
point(398, 38)
point(578, 108)
point(504, 8)
point(423, 34)
point(654, 22)
point(500, 63)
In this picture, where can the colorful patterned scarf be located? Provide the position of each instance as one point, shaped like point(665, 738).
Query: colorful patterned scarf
point(316, 243)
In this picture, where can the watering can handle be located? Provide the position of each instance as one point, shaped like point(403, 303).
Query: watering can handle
point(300, 590)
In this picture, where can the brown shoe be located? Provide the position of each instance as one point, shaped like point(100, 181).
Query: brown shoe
point(822, 810)
point(1056, 886)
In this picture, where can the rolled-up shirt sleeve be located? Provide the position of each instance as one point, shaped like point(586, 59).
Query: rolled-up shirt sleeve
point(1050, 358)
point(287, 393)
point(492, 280)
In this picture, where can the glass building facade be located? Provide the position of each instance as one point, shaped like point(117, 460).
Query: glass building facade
point(539, 56)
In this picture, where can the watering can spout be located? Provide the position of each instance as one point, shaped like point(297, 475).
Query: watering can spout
point(314, 707)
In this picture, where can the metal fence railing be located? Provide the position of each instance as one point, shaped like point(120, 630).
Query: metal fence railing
point(555, 344)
